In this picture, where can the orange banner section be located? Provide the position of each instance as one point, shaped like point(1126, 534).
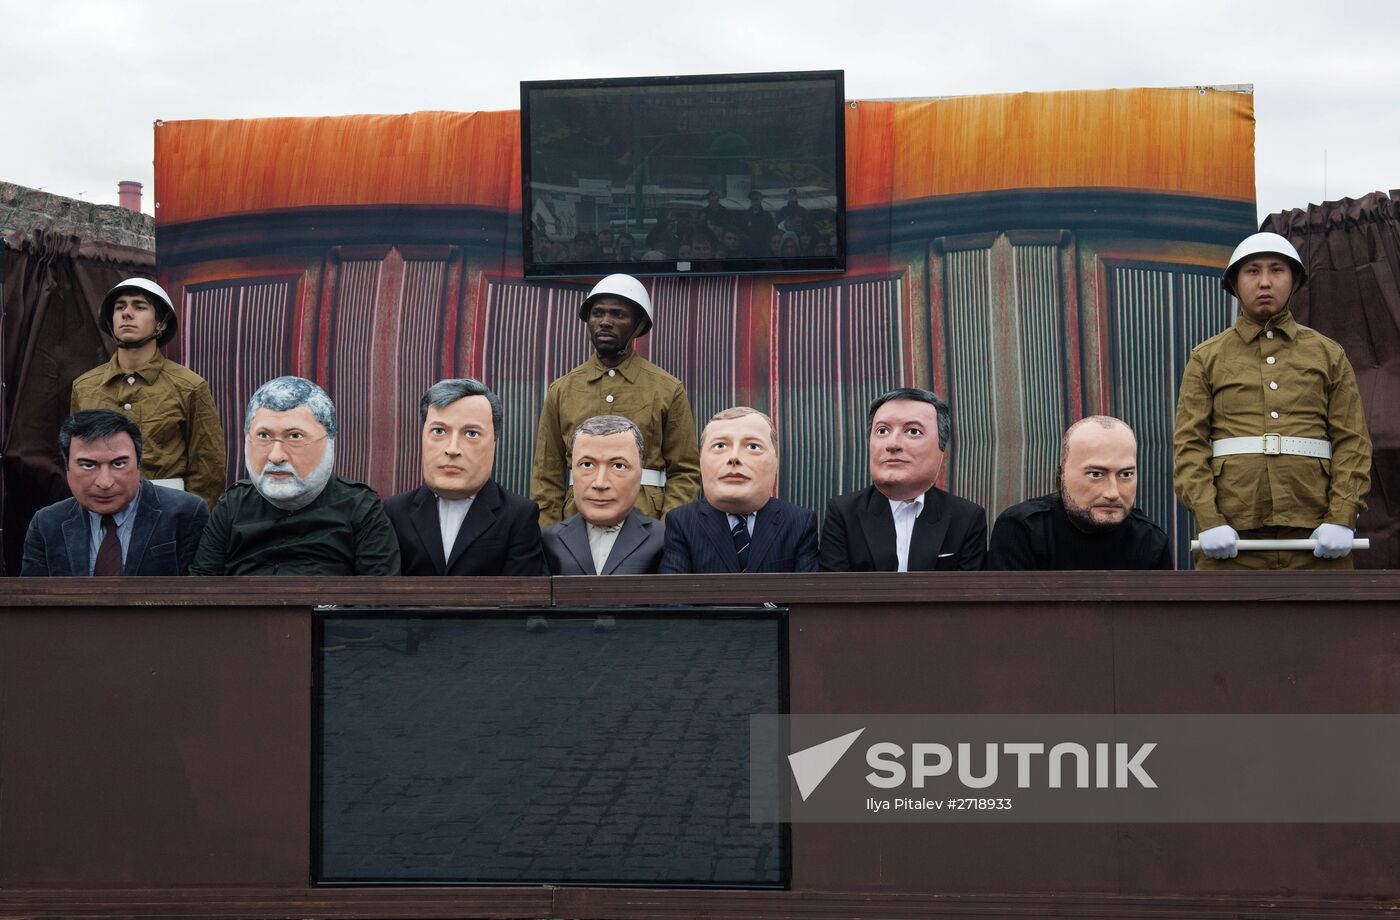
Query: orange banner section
point(1182, 141)
point(218, 168)
point(870, 145)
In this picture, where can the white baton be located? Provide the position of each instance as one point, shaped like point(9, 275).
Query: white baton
point(1280, 545)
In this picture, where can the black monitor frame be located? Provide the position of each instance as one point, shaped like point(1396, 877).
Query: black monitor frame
point(835, 262)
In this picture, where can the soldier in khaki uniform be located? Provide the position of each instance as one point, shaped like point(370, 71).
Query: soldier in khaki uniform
point(184, 445)
point(1271, 442)
point(617, 381)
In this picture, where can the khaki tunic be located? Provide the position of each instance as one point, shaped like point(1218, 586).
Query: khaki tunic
point(172, 405)
point(1285, 379)
point(638, 390)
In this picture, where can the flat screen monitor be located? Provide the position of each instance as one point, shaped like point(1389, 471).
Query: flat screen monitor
point(735, 173)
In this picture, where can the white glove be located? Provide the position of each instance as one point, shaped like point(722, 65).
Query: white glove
point(1221, 542)
point(1333, 541)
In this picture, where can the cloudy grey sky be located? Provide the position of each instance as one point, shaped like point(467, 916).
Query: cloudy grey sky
point(85, 79)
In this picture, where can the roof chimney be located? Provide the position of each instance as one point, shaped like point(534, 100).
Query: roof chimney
point(129, 194)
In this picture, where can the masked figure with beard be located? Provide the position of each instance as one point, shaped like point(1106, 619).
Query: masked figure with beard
point(1090, 523)
point(292, 516)
point(617, 381)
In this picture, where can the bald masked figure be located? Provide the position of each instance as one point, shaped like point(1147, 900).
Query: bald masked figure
point(1090, 523)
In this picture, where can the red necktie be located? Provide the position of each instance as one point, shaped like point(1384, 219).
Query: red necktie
point(109, 554)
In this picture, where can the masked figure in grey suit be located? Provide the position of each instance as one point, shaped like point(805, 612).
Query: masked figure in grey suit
point(903, 522)
point(738, 526)
point(460, 522)
point(608, 536)
point(116, 523)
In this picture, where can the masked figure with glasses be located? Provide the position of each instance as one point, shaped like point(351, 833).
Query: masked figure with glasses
point(293, 516)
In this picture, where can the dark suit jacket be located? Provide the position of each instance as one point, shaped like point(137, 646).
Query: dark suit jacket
point(499, 536)
point(164, 536)
point(637, 550)
point(698, 540)
point(858, 534)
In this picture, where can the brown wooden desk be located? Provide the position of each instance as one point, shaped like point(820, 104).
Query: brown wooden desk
point(156, 740)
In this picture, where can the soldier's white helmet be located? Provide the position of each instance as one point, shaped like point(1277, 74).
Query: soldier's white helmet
point(165, 310)
point(630, 290)
point(1259, 244)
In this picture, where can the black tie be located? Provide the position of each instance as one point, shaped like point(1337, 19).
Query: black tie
point(109, 553)
point(741, 543)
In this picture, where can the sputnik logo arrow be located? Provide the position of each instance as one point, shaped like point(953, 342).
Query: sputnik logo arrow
point(811, 765)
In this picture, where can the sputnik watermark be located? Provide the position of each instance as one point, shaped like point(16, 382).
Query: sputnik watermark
point(933, 760)
point(1097, 768)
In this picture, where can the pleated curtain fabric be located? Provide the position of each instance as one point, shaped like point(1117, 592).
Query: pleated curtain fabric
point(1351, 249)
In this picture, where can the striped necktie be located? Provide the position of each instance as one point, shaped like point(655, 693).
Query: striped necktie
point(740, 533)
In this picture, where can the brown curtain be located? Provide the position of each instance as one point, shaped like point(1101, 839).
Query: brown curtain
point(1352, 252)
point(53, 285)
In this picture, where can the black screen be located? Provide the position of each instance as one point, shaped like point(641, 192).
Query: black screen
point(545, 746)
point(684, 175)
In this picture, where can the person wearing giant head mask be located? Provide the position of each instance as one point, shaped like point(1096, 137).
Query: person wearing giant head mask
point(738, 526)
point(460, 521)
point(608, 535)
point(293, 515)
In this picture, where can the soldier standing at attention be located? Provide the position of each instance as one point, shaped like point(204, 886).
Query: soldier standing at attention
point(1271, 442)
point(172, 405)
point(617, 381)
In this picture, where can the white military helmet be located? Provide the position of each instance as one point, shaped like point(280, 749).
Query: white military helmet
point(146, 286)
point(630, 290)
point(1258, 244)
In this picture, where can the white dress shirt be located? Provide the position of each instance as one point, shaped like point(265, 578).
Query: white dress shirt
point(600, 544)
point(905, 513)
point(451, 513)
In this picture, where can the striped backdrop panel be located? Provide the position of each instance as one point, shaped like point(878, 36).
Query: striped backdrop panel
point(974, 391)
point(1005, 353)
point(838, 345)
point(238, 335)
point(1042, 349)
point(422, 314)
point(1156, 316)
point(694, 339)
point(532, 334)
point(353, 371)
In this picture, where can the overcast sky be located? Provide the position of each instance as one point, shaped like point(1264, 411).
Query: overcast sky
point(85, 79)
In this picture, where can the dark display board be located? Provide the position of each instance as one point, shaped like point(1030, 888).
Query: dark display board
point(684, 175)
point(545, 746)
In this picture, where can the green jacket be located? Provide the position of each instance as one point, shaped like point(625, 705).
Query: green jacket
point(343, 532)
point(172, 405)
point(638, 390)
point(1284, 379)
